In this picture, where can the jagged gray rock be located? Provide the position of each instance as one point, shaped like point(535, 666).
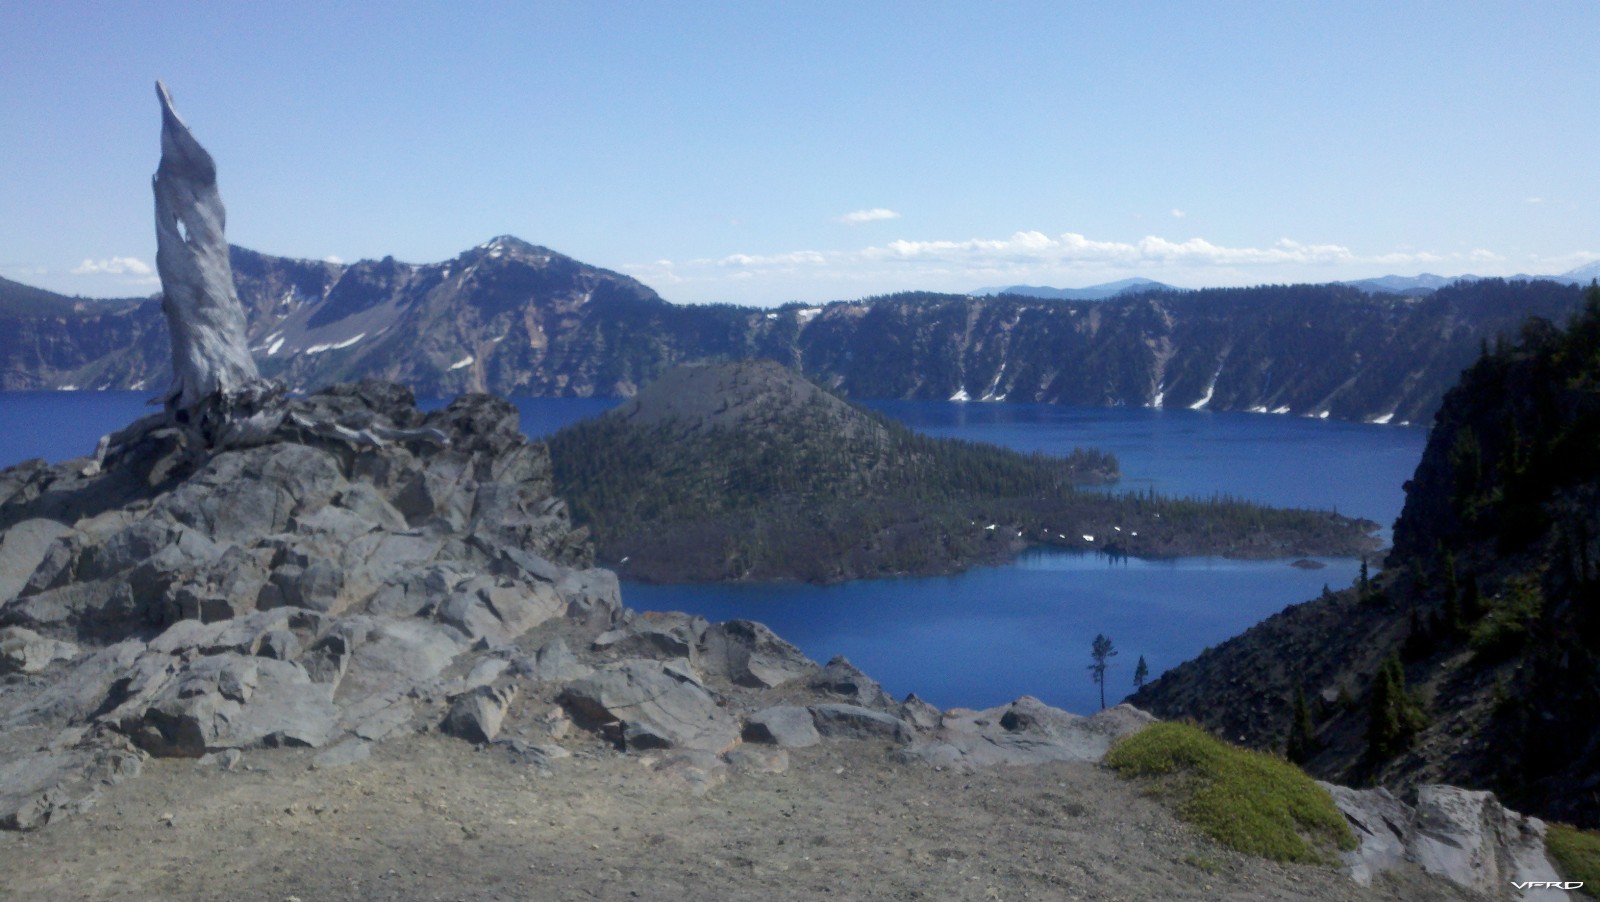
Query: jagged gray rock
point(1465, 836)
point(25, 651)
point(644, 704)
point(750, 654)
point(1027, 731)
point(477, 714)
point(856, 722)
point(786, 726)
point(845, 680)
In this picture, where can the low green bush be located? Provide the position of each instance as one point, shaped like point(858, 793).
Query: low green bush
point(1250, 801)
point(1577, 855)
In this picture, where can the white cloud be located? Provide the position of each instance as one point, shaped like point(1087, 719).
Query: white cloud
point(113, 266)
point(1178, 214)
point(873, 215)
point(1034, 257)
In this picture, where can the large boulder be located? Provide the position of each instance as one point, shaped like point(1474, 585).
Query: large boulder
point(1461, 835)
point(643, 704)
point(1027, 731)
point(25, 651)
point(40, 787)
point(844, 680)
point(785, 726)
point(856, 722)
point(476, 715)
point(750, 654)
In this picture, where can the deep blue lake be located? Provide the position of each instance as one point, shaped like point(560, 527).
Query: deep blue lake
point(993, 634)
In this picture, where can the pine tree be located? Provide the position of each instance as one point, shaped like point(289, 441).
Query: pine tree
point(1141, 673)
point(1302, 732)
point(1394, 716)
point(1101, 652)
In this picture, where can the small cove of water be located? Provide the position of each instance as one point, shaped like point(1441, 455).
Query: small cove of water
point(994, 633)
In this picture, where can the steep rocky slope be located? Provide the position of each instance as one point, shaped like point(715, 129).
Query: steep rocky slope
point(1473, 658)
point(749, 471)
point(514, 318)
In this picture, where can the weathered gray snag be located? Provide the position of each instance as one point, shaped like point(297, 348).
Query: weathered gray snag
point(210, 355)
point(218, 399)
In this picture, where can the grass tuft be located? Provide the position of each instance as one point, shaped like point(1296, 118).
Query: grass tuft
point(1246, 800)
point(1576, 853)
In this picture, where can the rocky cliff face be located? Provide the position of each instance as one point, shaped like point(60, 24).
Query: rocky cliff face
point(513, 318)
point(1486, 610)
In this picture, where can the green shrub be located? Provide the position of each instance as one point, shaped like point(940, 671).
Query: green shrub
point(1247, 800)
point(1505, 629)
point(1576, 853)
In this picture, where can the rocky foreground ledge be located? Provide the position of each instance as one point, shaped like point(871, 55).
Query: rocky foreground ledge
point(327, 589)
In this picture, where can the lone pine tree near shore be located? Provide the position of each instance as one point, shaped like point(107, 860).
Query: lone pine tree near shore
point(1102, 653)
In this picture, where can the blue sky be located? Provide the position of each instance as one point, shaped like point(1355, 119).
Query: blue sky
point(764, 152)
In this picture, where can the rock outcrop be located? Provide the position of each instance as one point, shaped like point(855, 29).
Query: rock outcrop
point(1460, 835)
point(291, 593)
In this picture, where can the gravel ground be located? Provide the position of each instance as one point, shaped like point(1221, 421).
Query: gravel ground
point(430, 818)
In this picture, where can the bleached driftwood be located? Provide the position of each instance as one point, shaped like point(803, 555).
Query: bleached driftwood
point(217, 397)
point(210, 354)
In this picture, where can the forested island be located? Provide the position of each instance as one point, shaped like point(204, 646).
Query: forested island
point(747, 471)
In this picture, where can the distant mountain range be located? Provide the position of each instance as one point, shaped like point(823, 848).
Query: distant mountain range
point(514, 318)
point(1409, 286)
point(1091, 293)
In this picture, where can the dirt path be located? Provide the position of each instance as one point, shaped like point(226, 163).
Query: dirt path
point(429, 818)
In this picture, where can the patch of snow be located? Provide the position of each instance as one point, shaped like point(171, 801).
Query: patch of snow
point(806, 314)
point(1383, 420)
point(445, 274)
point(1088, 538)
point(495, 341)
point(1280, 410)
point(1117, 528)
point(961, 395)
point(1323, 415)
point(334, 346)
point(67, 388)
point(273, 348)
point(772, 316)
point(1159, 399)
point(990, 526)
point(465, 361)
point(137, 386)
point(1134, 533)
point(1211, 388)
point(1259, 409)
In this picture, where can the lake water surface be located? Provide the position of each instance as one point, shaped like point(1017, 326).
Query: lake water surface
point(995, 633)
